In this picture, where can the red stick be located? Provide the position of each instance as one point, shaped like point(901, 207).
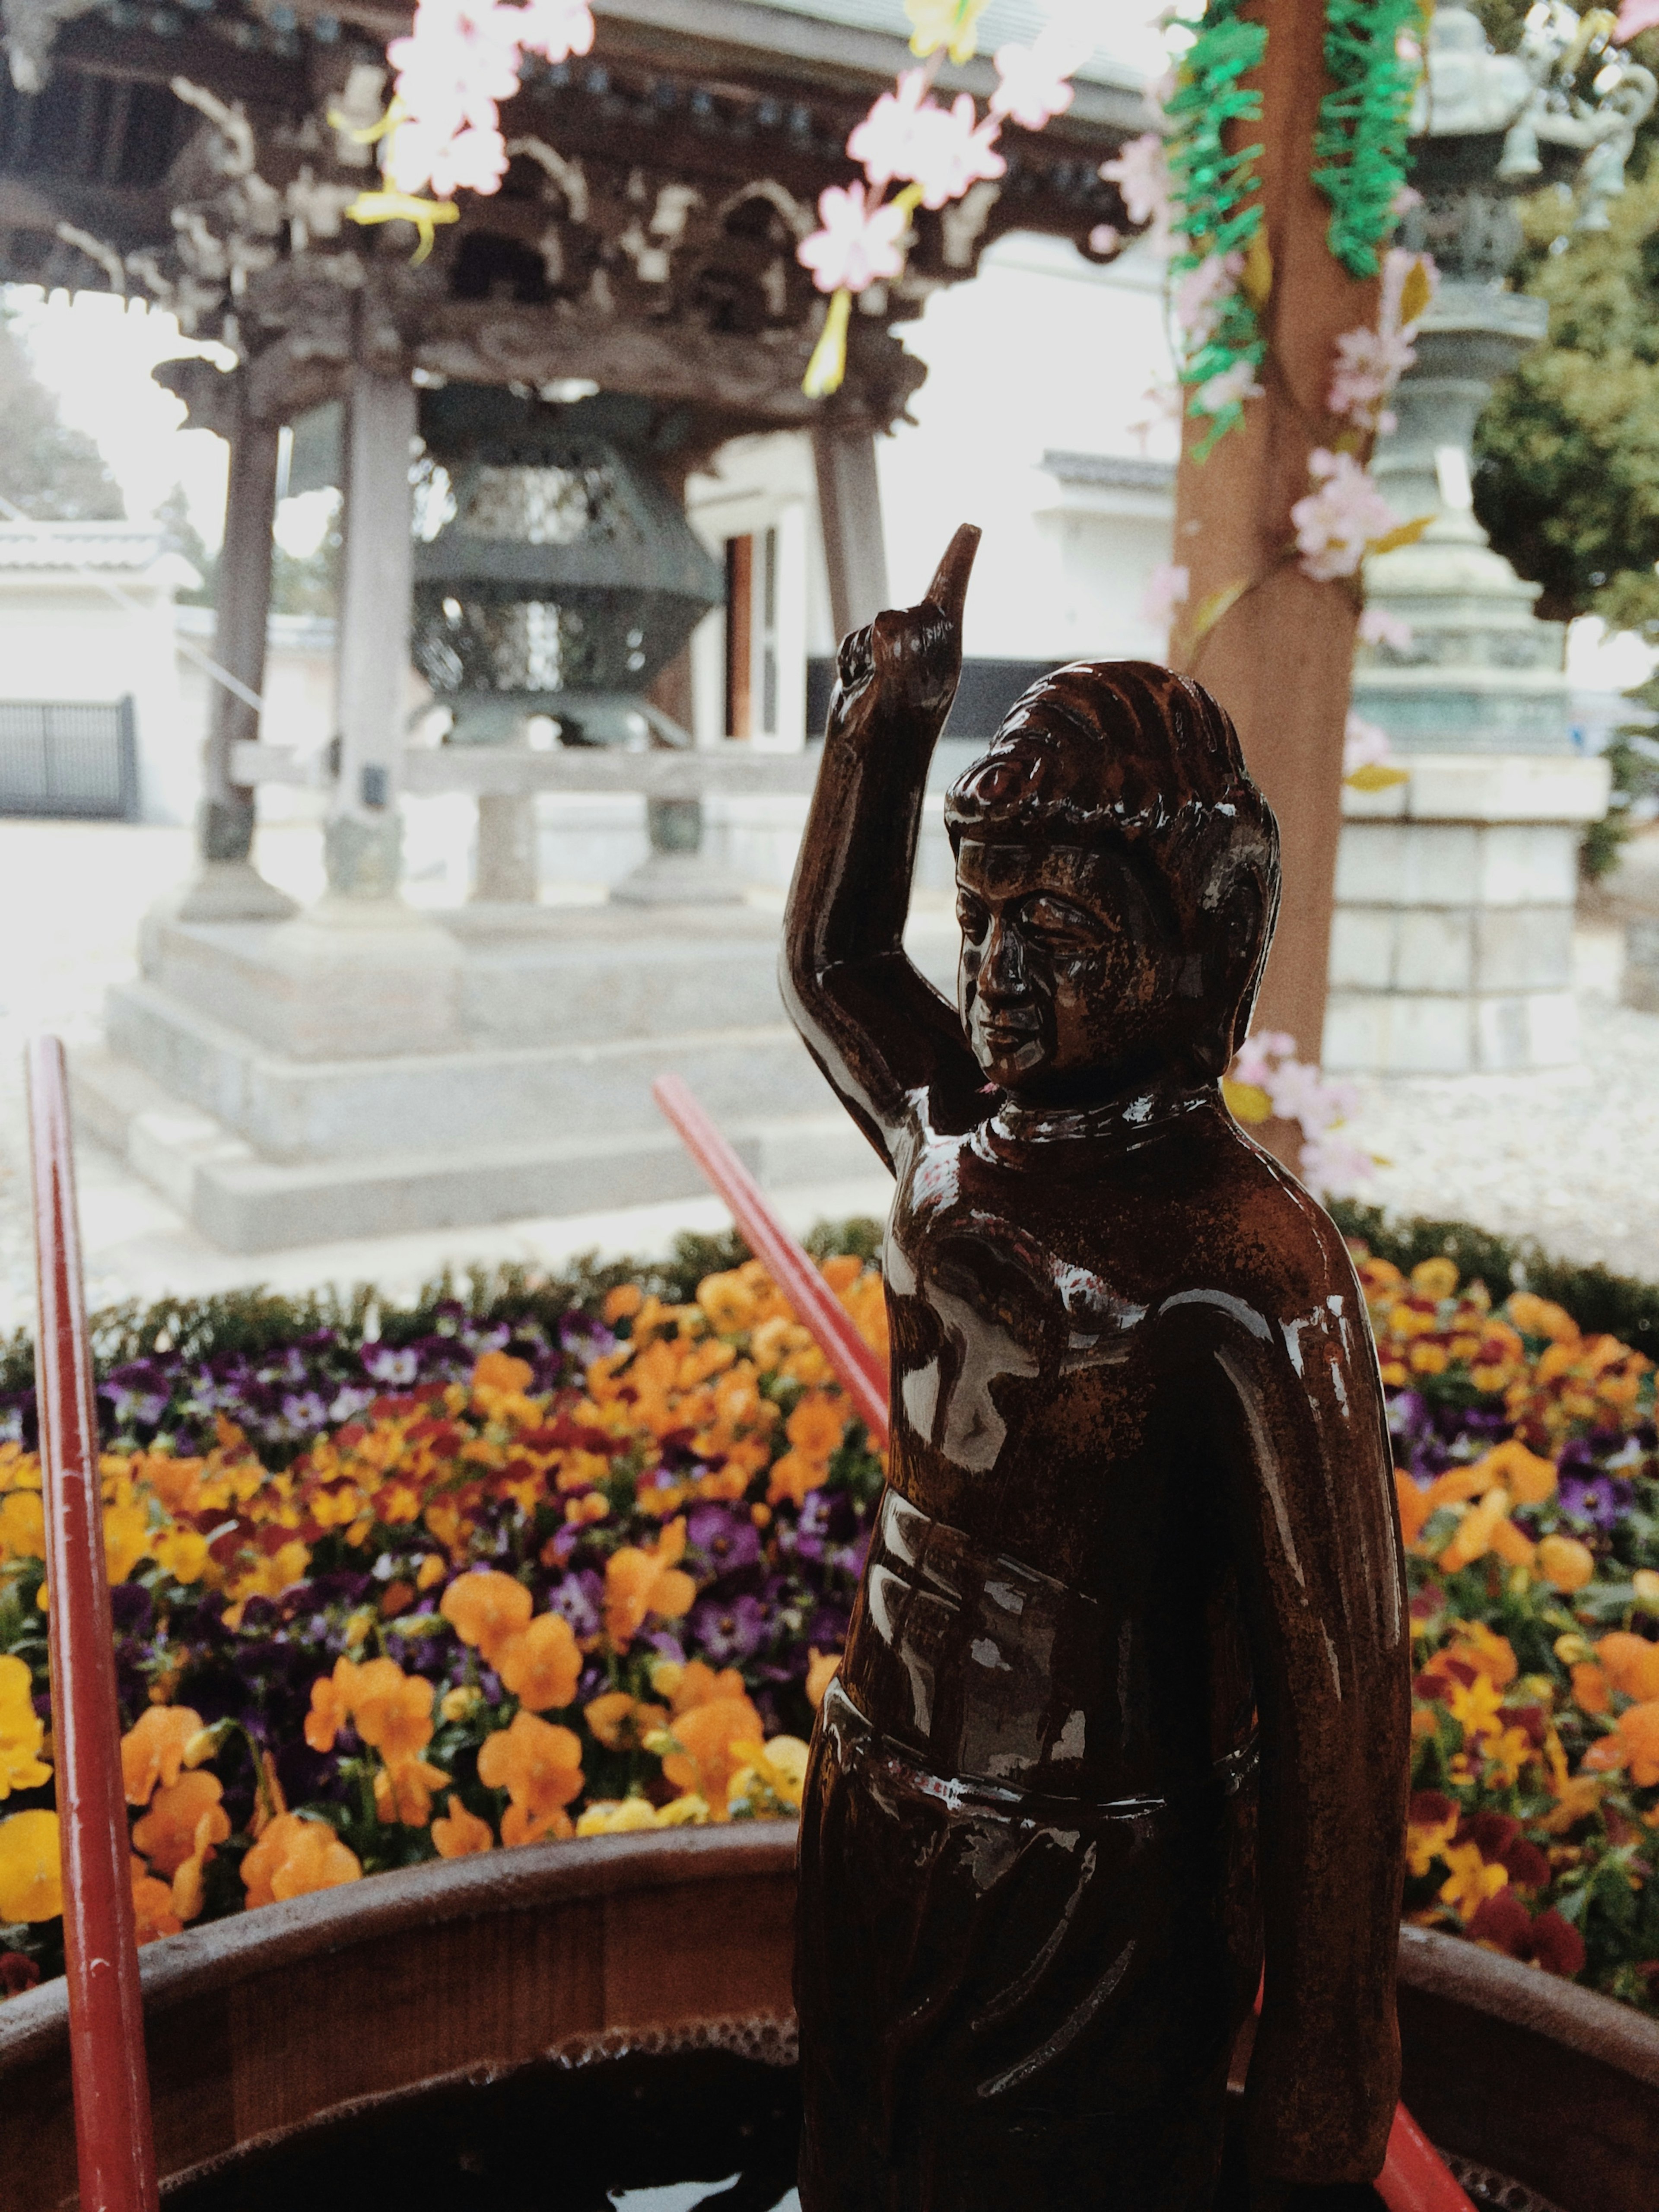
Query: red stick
point(114, 2149)
point(1414, 2177)
point(859, 1369)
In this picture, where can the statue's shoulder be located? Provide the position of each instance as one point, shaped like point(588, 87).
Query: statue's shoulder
point(1263, 1238)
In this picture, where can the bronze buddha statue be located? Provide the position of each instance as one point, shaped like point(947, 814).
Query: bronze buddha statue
point(1125, 1698)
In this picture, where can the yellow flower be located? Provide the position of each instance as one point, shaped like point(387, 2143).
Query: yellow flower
point(1471, 1880)
point(616, 1817)
point(771, 1779)
point(952, 24)
point(126, 1540)
point(1474, 1706)
point(22, 1526)
point(30, 1881)
point(1565, 1563)
point(22, 1731)
point(1435, 1278)
point(183, 1552)
point(1426, 1844)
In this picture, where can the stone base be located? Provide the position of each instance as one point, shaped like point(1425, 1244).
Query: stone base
point(243, 1203)
point(234, 890)
point(1640, 987)
point(1451, 945)
point(300, 1084)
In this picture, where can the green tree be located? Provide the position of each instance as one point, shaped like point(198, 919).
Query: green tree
point(54, 474)
point(182, 537)
point(1567, 475)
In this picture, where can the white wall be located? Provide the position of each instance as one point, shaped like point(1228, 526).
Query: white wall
point(1041, 351)
point(61, 639)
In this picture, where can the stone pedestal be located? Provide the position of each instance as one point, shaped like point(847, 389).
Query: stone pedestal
point(312, 1080)
point(1451, 947)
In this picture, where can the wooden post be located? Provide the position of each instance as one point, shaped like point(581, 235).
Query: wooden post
point(363, 842)
point(849, 513)
point(1280, 658)
point(229, 887)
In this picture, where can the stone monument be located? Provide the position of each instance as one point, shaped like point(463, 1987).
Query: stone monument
point(1135, 1596)
point(1452, 946)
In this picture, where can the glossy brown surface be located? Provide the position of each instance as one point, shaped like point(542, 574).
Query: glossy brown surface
point(1126, 1688)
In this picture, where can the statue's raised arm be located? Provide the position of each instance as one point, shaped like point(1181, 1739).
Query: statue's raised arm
point(887, 1041)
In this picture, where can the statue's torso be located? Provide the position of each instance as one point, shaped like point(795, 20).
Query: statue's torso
point(1050, 1603)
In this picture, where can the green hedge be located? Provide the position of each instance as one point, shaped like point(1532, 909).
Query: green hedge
point(257, 1320)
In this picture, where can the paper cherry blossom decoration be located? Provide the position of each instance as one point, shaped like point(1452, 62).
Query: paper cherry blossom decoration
point(859, 243)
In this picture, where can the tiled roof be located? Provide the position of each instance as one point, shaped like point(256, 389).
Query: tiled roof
point(121, 547)
point(1122, 471)
point(1005, 22)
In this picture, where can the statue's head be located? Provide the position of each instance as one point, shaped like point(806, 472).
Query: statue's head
point(1117, 878)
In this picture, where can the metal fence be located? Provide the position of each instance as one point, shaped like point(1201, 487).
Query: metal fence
point(69, 760)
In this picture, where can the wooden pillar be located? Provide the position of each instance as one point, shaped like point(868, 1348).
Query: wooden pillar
point(849, 511)
point(227, 887)
point(363, 841)
point(1280, 658)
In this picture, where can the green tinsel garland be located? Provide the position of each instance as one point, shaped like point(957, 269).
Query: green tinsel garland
point(1359, 146)
point(1215, 192)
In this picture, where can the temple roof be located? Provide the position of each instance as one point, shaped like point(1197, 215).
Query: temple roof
point(643, 239)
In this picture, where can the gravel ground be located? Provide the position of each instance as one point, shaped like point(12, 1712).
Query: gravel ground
point(1571, 1158)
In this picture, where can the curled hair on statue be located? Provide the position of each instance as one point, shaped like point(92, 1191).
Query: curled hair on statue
point(1127, 757)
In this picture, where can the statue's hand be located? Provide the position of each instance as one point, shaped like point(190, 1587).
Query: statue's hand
point(901, 669)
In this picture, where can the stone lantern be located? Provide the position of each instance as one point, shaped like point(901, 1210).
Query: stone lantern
point(554, 575)
point(1451, 948)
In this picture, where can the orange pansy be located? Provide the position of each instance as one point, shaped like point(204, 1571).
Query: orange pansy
point(485, 1608)
point(152, 1749)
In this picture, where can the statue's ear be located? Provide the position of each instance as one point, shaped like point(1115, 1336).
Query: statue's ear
point(1238, 926)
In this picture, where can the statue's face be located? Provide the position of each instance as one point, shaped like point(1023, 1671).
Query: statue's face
point(1067, 976)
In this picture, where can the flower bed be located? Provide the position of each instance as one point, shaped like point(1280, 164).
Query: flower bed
point(577, 1557)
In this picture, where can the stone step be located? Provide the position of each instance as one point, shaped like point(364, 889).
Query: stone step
point(475, 975)
point(245, 1203)
point(298, 1110)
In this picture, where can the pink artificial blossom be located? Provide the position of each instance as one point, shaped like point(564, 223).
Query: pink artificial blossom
point(1364, 744)
point(1141, 174)
point(1230, 388)
point(1201, 293)
point(1033, 83)
point(460, 60)
point(1405, 197)
point(1371, 362)
point(1635, 16)
point(955, 149)
point(1166, 589)
point(942, 150)
point(1378, 627)
point(1335, 523)
point(556, 29)
point(883, 140)
point(859, 243)
point(1105, 238)
point(1333, 1166)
